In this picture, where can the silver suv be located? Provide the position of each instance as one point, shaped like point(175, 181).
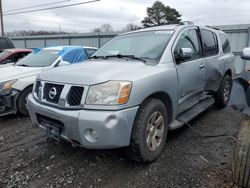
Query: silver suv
point(135, 88)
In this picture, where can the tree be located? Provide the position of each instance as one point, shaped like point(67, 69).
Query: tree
point(103, 28)
point(159, 14)
point(131, 27)
point(106, 28)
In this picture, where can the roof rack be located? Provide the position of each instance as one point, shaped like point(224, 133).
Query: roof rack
point(186, 23)
point(212, 27)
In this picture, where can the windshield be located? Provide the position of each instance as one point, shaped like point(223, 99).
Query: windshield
point(42, 58)
point(4, 54)
point(147, 45)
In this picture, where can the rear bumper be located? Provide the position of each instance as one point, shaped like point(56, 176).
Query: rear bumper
point(8, 103)
point(113, 128)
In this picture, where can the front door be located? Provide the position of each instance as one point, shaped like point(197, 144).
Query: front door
point(191, 71)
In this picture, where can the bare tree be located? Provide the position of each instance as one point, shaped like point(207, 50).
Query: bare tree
point(131, 27)
point(103, 28)
point(97, 30)
point(106, 28)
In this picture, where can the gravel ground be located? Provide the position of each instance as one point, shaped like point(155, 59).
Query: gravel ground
point(200, 156)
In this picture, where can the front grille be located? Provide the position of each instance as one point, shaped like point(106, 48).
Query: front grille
point(52, 92)
point(75, 96)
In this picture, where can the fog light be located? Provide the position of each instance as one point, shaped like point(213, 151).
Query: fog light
point(91, 135)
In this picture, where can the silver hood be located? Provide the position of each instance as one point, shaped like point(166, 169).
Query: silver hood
point(98, 71)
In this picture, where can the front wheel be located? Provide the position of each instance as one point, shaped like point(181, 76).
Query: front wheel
point(223, 94)
point(149, 132)
point(22, 101)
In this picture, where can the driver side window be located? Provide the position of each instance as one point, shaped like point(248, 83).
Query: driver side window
point(188, 41)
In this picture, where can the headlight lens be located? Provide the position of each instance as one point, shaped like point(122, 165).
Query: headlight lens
point(109, 93)
point(5, 87)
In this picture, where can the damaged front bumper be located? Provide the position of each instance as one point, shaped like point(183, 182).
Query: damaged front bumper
point(8, 103)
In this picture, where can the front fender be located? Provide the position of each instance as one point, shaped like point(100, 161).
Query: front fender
point(22, 83)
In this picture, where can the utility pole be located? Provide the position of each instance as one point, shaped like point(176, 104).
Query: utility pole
point(1, 17)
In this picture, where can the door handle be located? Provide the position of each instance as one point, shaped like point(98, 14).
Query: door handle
point(202, 66)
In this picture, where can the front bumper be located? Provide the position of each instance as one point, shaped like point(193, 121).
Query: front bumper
point(8, 103)
point(112, 127)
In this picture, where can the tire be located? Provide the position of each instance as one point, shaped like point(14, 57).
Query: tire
point(22, 100)
point(241, 170)
point(145, 145)
point(223, 94)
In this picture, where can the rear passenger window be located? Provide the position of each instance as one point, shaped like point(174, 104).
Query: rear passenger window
point(225, 44)
point(210, 43)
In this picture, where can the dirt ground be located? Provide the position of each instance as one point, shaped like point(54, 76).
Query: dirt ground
point(200, 156)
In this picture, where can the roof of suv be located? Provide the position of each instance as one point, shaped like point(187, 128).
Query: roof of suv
point(174, 27)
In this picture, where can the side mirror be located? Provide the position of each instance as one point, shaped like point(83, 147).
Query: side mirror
point(246, 54)
point(63, 63)
point(184, 54)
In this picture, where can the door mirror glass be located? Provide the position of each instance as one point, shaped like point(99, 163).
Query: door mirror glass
point(63, 63)
point(184, 55)
point(246, 54)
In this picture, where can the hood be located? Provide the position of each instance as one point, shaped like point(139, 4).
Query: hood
point(17, 72)
point(98, 71)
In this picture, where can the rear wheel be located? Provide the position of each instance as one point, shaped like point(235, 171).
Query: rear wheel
point(223, 94)
point(149, 132)
point(242, 157)
point(22, 101)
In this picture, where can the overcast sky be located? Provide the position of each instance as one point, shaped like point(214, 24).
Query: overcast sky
point(118, 13)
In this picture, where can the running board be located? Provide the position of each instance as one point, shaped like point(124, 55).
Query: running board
point(190, 114)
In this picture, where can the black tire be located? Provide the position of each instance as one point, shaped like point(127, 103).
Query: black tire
point(138, 150)
point(221, 97)
point(241, 170)
point(22, 100)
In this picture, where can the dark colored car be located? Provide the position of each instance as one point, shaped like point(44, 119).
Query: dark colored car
point(13, 55)
point(5, 43)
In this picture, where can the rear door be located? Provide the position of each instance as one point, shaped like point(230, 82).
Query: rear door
point(191, 72)
point(213, 59)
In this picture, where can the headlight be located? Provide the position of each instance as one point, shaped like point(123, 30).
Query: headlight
point(109, 93)
point(5, 87)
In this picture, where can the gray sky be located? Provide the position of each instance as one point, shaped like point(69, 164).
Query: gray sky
point(118, 13)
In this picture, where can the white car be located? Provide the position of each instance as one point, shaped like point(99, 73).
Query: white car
point(16, 81)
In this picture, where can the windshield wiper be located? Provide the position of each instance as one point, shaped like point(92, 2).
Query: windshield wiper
point(23, 65)
point(126, 56)
point(98, 57)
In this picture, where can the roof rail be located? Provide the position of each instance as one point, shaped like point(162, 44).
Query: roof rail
point(186, 23)
point(212, 27)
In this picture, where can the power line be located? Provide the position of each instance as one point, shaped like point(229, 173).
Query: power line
point(50, 8)
point(35, 6)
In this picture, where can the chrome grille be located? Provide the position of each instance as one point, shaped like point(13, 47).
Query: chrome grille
point(52, 92)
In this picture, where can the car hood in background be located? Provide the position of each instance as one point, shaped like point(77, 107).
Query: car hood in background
point(16, 72)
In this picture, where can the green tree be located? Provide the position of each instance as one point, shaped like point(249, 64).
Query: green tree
point(159, 14)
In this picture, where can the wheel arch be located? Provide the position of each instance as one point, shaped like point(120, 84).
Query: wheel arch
point(229, 73)
point(166, 99)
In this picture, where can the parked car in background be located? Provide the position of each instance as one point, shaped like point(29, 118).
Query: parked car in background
point(16, 81)
point(5, 43)
point(13, 55)
point(137, 86)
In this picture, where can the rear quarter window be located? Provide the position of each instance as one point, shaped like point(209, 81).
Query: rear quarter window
point(210, 43)
point(225, 43)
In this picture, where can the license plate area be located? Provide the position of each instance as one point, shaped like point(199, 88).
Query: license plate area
point(54, 127)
